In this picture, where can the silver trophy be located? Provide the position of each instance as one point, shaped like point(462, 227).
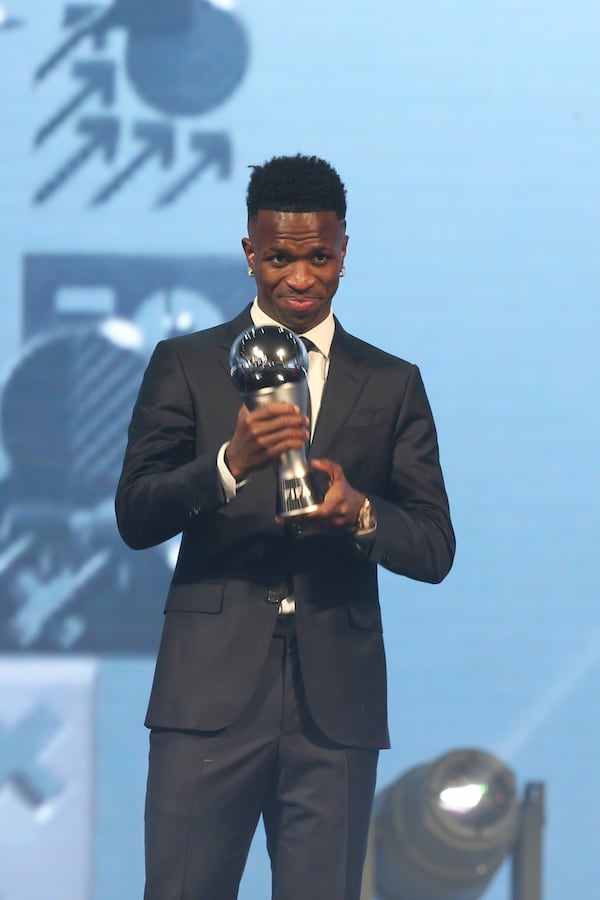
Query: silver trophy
point(269, 365)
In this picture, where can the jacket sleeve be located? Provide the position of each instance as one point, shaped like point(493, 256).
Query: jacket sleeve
point(414, 535)
point(167, 481)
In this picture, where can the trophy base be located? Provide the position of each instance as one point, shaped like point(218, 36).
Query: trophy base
point(297, 496)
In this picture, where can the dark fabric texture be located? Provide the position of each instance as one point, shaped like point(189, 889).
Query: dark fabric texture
point(235, 561)
point(239, 730)
point(206, 791)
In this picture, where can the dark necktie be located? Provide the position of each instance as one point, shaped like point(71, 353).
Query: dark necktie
point(309, 346)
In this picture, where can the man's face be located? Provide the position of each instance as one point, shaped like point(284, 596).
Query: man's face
point(296, 258)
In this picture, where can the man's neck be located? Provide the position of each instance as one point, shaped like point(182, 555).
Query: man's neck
point(321, 335)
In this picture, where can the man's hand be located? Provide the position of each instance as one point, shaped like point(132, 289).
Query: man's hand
point(264, 434)
point(342, 502)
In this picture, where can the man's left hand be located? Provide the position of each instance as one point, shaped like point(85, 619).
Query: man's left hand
point(342, 502)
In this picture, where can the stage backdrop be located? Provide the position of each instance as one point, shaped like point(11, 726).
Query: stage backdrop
point(468, 136)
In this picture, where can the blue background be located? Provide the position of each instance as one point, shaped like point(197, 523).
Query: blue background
point(468, 136)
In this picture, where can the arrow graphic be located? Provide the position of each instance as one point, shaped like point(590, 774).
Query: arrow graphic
point(89, 21)
point(98, 78)
point(213, 149)
point(103, 135)
point(159, 140)
point(76, 13)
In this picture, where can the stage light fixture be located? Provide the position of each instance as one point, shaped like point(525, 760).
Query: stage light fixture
point(444, 828)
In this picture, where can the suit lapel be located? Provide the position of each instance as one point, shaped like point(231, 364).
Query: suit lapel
point(345, 381)
point(230, 332)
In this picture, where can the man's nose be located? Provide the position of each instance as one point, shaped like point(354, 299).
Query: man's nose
point(300, 276)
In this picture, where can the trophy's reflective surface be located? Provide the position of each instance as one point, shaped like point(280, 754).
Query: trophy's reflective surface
point(269, 364)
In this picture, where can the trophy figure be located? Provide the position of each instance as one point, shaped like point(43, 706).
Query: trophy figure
point(268, 365)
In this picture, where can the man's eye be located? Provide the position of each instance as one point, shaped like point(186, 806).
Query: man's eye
point(279, 258)
point(320, 257)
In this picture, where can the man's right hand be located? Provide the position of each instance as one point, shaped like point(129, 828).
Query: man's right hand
point(261, 436)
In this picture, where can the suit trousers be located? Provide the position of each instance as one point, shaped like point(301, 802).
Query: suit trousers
point(207, 791)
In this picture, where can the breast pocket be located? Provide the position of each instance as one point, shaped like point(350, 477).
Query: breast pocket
point(367, 418)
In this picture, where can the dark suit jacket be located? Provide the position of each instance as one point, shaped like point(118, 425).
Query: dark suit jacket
point(236, 562)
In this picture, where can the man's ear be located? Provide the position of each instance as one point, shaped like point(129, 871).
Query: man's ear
point(344, 245)
point(247, 245)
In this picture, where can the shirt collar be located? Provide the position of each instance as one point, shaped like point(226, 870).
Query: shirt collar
point(321, 335)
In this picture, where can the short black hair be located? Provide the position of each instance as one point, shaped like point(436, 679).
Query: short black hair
point(296, 184)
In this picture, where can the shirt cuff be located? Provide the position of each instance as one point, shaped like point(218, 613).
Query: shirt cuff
point(229, 484)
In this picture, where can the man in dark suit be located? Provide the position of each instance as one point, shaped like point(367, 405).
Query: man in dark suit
point(269, 696)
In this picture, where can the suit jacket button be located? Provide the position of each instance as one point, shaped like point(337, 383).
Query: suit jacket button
point(274, 597)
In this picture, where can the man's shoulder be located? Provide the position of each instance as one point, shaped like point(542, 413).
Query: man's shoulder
point(217, 335)
point(368, 353)
point(204, 337)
